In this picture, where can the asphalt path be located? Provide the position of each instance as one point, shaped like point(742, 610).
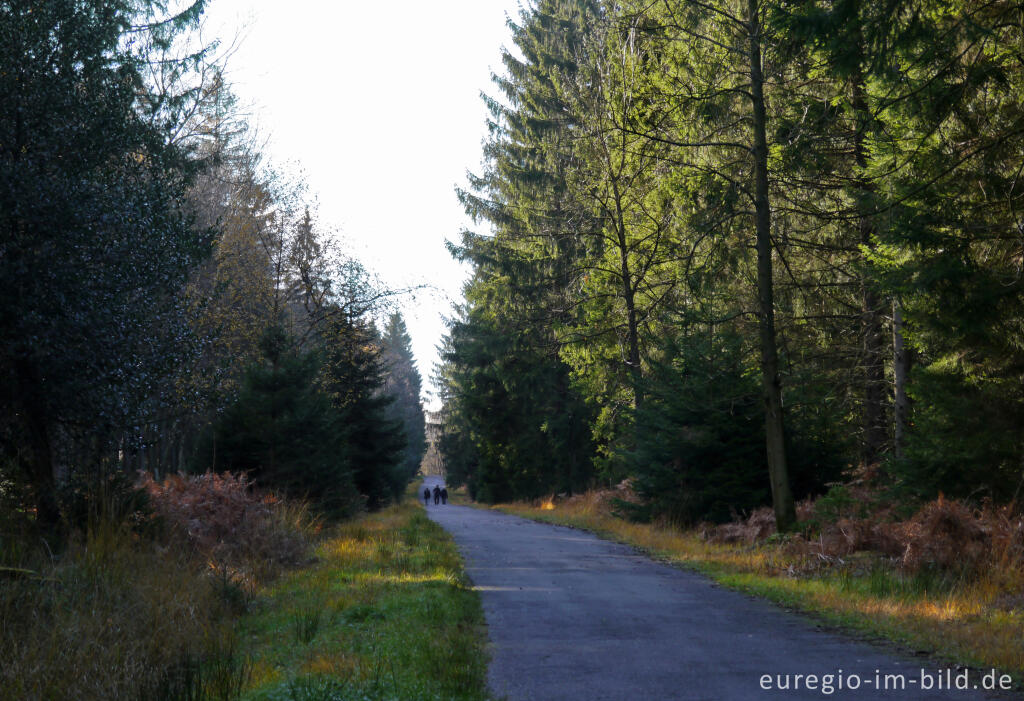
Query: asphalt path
point(571, 616)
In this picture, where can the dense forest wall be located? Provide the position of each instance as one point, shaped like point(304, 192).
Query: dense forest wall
point(171, 302)
point(740, 251)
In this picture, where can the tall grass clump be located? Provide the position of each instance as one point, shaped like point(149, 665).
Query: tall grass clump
point(140, 602)
point(103, 619)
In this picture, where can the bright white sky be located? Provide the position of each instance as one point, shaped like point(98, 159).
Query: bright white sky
point(378, 105)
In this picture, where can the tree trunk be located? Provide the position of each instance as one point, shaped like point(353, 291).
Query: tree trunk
point(40, 468)
point(876, 433)
point(901, 370)
point(782, 496)
point(629, 297)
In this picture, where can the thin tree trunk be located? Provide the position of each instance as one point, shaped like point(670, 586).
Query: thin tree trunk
point(782, 495)
point(629, 297)
point(41, 466)
point(901, 370)
point(876, 433)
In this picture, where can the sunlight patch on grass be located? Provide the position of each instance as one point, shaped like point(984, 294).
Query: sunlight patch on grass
point(341, 665)
point(384, 613)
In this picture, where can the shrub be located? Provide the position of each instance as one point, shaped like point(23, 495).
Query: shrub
point(244, 534)
point(943, 536)
point(284, 432)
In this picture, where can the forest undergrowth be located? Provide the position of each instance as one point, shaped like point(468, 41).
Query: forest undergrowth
point(142, 602)
point(211, 590)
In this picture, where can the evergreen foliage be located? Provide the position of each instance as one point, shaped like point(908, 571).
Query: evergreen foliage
point(283, 432)
point(125, 345)
point(402, 381)
point(683, 205)
point(684, 197)
point(96, 244)
point(700, 436)
point(516, 425)
point(520, 430)
point(373, 442)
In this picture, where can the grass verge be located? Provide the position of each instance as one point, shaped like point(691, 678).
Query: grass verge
point(384, 613)
point(966, 621)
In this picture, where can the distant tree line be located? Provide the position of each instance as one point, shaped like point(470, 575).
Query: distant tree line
point(740, 249)
point(167, 301)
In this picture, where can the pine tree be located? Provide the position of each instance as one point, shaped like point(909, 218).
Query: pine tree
point(700, 435)
point(514, 426)
point(521, 426)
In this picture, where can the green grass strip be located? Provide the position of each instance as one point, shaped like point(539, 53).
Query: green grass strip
point(385, 613)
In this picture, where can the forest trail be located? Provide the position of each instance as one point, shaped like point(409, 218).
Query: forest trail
point(571, 616)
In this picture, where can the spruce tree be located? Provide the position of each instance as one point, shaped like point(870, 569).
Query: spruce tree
point(283, 432)
point(402, 381)
point(96, 240)
point(353, 378)
point(522, 426)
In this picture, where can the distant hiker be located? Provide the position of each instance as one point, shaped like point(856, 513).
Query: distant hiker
point(437, 494)
point(426, 496)
point(444, 495)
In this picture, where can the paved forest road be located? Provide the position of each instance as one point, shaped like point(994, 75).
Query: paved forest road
point(571, 616)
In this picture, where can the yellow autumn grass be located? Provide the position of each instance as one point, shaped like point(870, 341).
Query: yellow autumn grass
point(977, 621)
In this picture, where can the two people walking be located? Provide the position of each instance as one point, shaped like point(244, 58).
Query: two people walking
point(440, 495)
